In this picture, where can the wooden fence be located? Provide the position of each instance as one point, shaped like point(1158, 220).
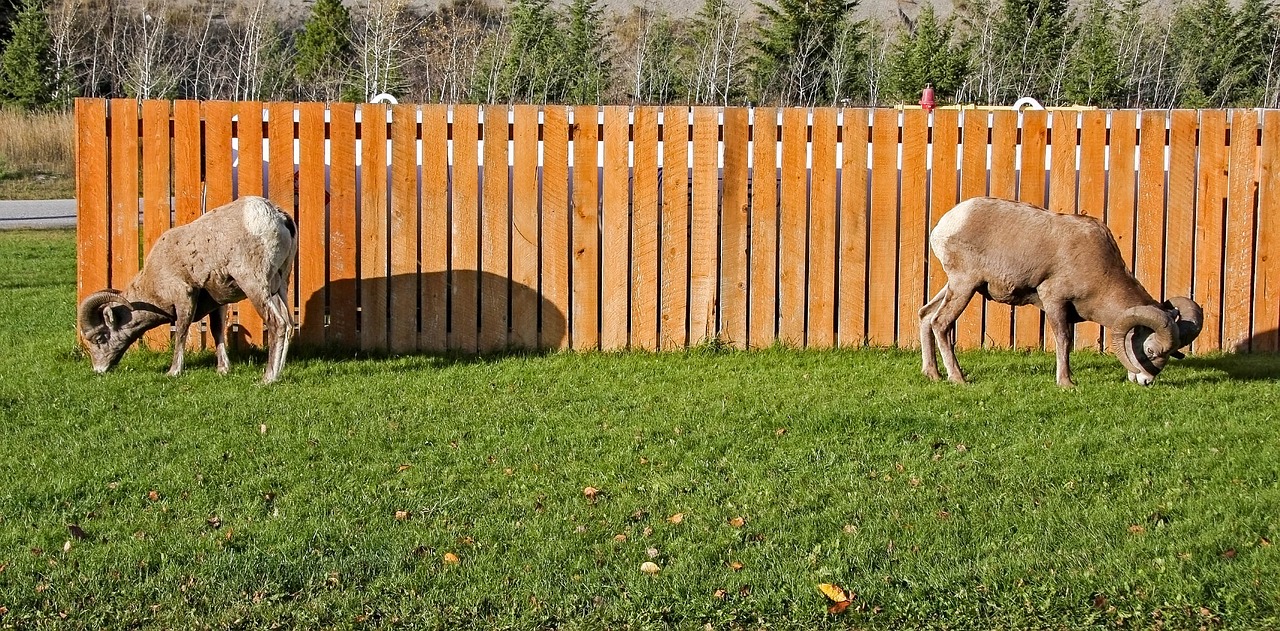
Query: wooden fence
point(752, 226)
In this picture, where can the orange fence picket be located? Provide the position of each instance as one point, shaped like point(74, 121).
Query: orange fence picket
point(434, 227)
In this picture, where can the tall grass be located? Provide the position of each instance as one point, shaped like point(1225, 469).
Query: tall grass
point(37, 143)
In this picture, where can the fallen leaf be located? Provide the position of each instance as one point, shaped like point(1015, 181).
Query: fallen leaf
point(466, 540)
point(508, 472)
point(850, 529)
point(262, 429)
point(1266, 543)
point(4, 610)
point(66, 547)
point(451, 559)
point(1137, 529)
point(153, 495)
point(838, 608)
point(404, 467)
point(652, 553)
point(833, 592)
point(736, 566)
point(591, 493)
point(1100, 602)
point(402, 515)
point(944, 515)
point(620, 538)
point(229, 532)
point(961, 447)
point(1229, 553)
point(737, 522)
point(639, 515)
point(650, 568)
point(720, 594)
point(77, 532)
point(3, 567)
point(648, 530)
point(676, 518)
point(214, 522)
point(780, 431)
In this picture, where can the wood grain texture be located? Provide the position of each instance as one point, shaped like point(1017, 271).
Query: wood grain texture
point(495, 233)
point(1149, 229)
point(464, 291)
point(250, 179)
point(1242, 187)
point(524, 228)
point(823, 212)
point(973, 183)
point(555, 228)
point(1092, 197)
point(312, 225)
point(615, 245)
point(912, 225)
point(93, 200)
point(344, 235)
point(674, 293)
point(1266, 288)
point(998, 327)
point(218, 177)
point(433, 229)
point(735, 222)
point(585, 322)
point(1028, 319)
point(374, 277)
point(1180, 205)
point(704, 218)
point(1211, 209)
point(125, 246)
point(644, 231)
point(944, 186)
point(402, 309)
point(762, 288)
point(851, 296)
point(156, 209)
point(793, 233)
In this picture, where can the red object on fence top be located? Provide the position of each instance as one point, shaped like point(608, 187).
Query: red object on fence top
point(926, 98)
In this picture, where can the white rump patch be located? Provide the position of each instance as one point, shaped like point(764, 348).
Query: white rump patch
point(260, 220)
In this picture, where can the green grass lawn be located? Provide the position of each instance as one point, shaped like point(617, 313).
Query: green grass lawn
point(341, 496)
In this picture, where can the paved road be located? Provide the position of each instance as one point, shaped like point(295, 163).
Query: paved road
point(53, 213)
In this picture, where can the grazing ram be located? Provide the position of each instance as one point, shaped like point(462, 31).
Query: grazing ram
point(1067, 265)
point(244, 249)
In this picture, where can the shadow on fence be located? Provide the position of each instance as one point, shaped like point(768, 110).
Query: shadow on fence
point(465, 311)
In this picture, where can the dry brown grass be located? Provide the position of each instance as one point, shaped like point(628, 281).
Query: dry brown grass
point(37, 143)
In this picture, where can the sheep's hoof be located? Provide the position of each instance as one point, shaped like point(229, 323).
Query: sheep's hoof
point(1066, 383)
point(174, 372)
point(932, 374)
point(957, 379)
point(222, 370)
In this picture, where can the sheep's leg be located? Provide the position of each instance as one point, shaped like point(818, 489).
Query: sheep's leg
point(928, 352)
point(217, 324)
point(184, 313)
point(953, 304)
point(1063, 336)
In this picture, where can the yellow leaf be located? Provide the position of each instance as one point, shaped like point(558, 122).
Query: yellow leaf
point(737, 522)
point(833, 592)
point(451, 558)
point(650, 568)
point(676, 518)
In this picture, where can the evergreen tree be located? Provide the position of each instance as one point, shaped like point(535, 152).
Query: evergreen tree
point(26, 67)
point(1032, 38)
point(925, 55)
point(714, 56)
point(1093, 74)
point(1220, 52)
point(586, 66)
point(530, 70)
point(324, 52)
point(794, 46)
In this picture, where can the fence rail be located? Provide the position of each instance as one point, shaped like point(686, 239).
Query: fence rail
point(751, 226)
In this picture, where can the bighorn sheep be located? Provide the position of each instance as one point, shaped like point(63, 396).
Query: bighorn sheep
point(1067, 265)
point(244, 249)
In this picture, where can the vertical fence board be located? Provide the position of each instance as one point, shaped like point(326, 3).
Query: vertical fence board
point(1122, 181)
point(555, 226)
point(464, 292)
point(1062, 176)
point(944, 186)
point(250, 180)
point(495, 232)
point(1092, 196)
point(1180, 206)
point(1027, 319)
point(1149, 229)
point(1211, 204)
point(644, 231)
point(1242, 186)
point(615, 245)
point(312, 224)
point(851, 296)
point(762, 287)
point(524, 228)
point(217, 153)
point(1266, 289)
point(882, 263)
point(93, 201)
point(402, 307)
point(343, 231)
point(373, 227)
point(156, 214)
point(973, 183)
point(793, 226)
point(821, 296)
point(1003, 183)
point(674, 292)
point(124, 191)
point(734, 225)
point(188, 184)
point(912, 251)
point(433, 228)
point(704, 219)
point(585, 324)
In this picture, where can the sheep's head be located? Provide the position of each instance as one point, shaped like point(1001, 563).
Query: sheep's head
point(103, 321)
point(1147, 336)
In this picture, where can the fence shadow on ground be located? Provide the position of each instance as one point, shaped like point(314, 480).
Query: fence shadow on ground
point(1250, 360)
point(453, 319)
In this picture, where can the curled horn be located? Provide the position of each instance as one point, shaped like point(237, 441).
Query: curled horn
point(1130, 346)
point(89, 316)
point(1189, 319)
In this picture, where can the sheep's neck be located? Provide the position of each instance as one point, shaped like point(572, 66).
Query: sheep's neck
point(1108, 308)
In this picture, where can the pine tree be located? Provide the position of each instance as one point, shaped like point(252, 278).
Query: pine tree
point(926, 55)
point(586, 65)
point(1093, 74)
point(714, 56)
point(529, 69)
point(324, 52)
point(1032, 38)
point(26, 67)
point(794, 44)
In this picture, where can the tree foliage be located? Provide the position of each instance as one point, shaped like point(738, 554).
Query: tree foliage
point(926, 53)
point(324, 52)
point(26, 66)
